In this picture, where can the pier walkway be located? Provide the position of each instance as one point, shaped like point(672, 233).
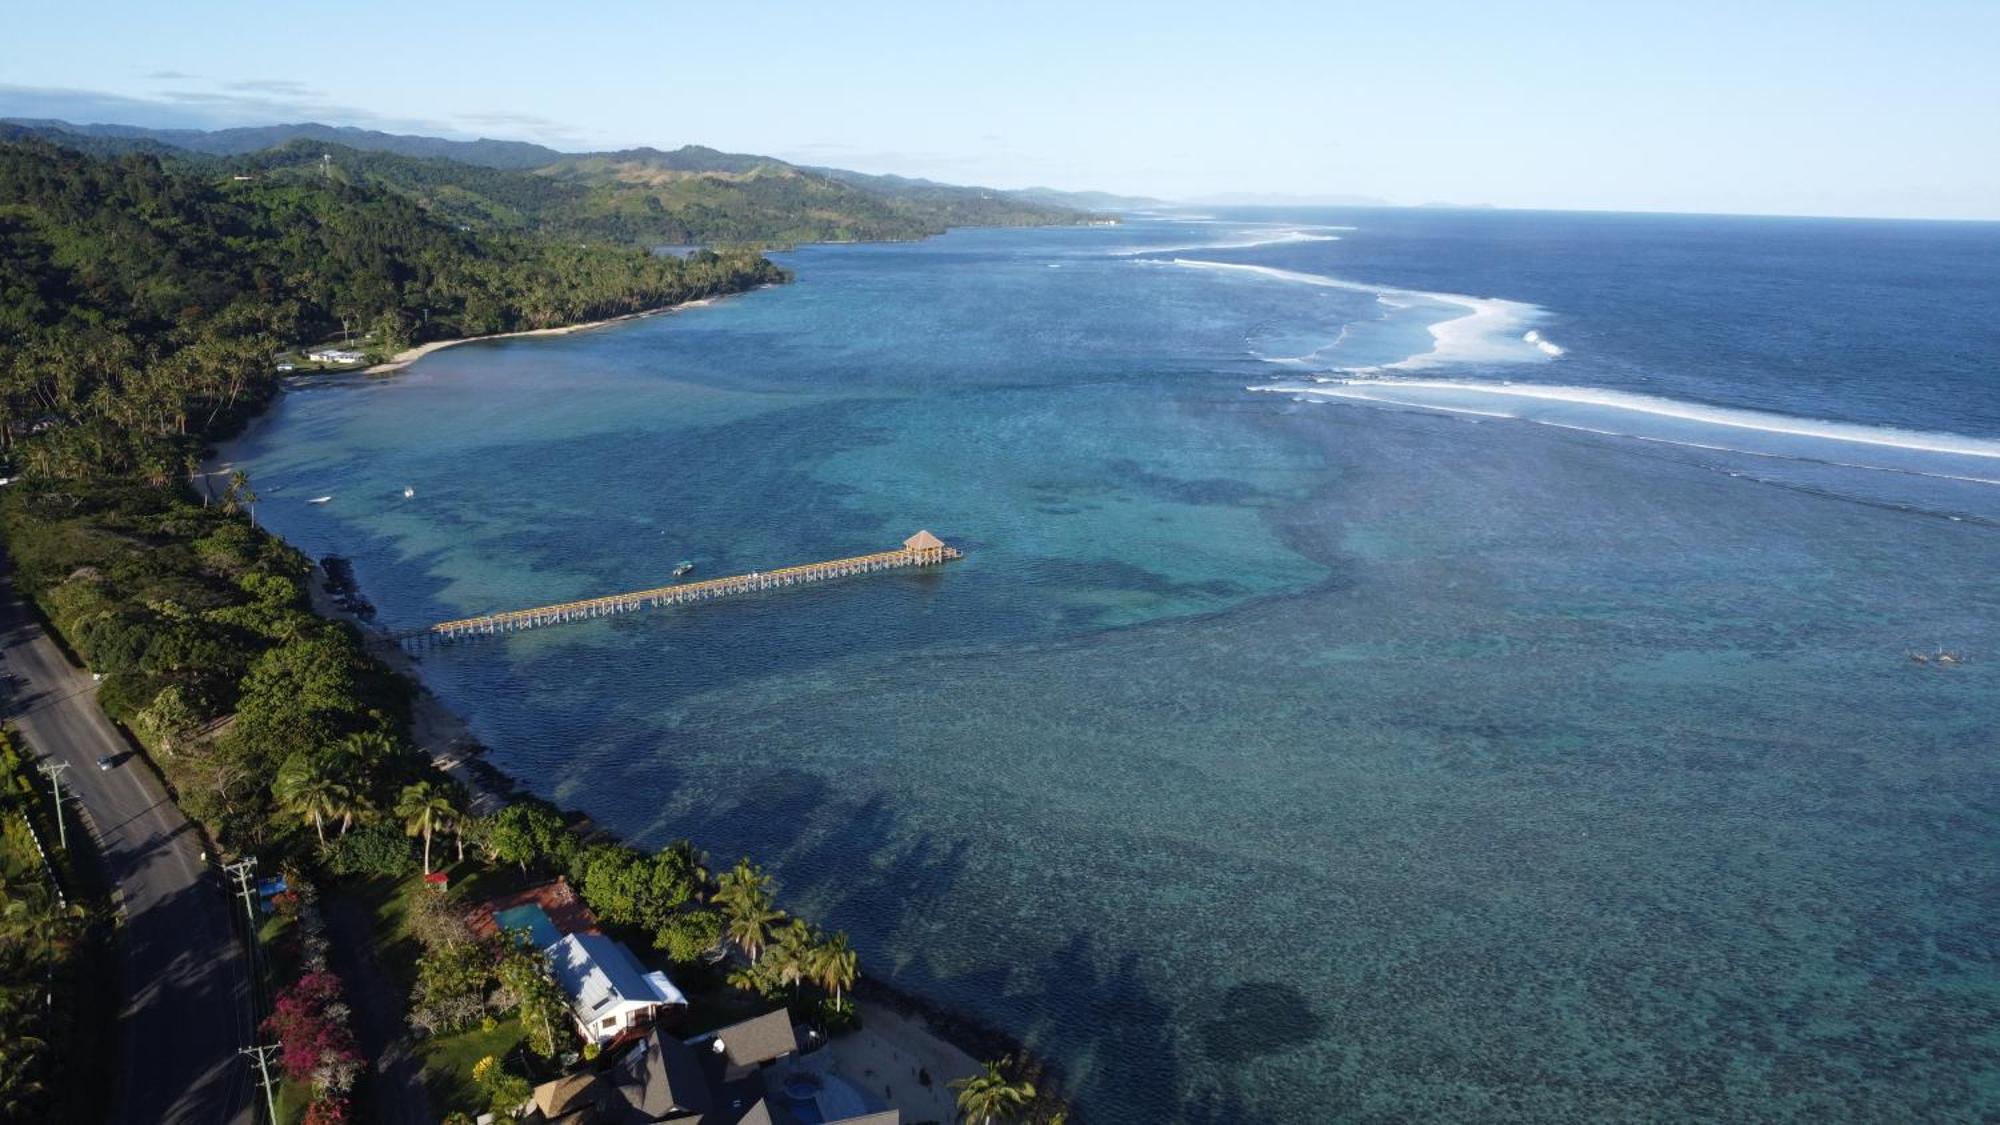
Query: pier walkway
point(921, 549)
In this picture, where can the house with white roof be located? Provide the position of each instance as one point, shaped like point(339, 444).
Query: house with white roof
point(335, 355)
point(609, 991)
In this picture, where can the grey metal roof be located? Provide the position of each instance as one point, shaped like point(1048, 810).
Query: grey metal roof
point(599, 975)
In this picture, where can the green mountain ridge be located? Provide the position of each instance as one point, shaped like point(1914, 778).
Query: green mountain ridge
point(255, 138)
point(646, 196)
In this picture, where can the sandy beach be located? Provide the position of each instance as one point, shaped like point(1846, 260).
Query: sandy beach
point(408, 356)
point(902, 1060)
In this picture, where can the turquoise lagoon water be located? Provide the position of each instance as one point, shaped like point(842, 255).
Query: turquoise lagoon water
point(1448, 729)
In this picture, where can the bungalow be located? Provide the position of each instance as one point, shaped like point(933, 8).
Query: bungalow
point(609, 992)
point(335, 355)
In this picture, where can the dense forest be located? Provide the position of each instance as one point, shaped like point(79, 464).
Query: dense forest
point(643, 196)
point(141, 303)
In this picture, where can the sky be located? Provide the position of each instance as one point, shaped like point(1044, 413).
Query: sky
point(1754, 106)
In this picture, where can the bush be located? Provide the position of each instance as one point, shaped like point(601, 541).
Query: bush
point(505, 1090)
point(689, 934)
point(374, 850)
point(451, 988)
point(838, 1018)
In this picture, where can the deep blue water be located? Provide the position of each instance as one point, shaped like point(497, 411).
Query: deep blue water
point(1349, 708)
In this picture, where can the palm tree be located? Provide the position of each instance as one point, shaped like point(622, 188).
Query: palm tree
point(35, 925)
point(746, 882)
point(191, 465)
point(835, 965)
point(315, 787)
point(463, 825)
point(425, 807)
point(20, 1086)
point(238, 494)
point(792, 955)
point(990, 1097)
point(749, 923)
point(370, 748)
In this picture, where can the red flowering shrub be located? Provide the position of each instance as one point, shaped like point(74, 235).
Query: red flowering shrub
point(327, 1111)
point(309, 1023)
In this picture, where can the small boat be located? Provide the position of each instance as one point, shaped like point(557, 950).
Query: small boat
point(319, 499)
point(683, 568)
point(408, 492)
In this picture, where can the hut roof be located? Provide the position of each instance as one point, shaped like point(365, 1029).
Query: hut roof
point(756, 1040)
point(923, 541)
point(566, 1095)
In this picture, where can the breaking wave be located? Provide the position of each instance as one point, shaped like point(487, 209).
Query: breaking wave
point(1487, 329)
point(1242, 241)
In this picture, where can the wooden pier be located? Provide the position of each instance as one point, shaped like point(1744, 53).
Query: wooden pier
point(921, 549)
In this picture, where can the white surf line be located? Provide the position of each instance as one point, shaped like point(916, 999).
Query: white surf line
point(1287, 237)
point(1757, 421)
point(1319, 393)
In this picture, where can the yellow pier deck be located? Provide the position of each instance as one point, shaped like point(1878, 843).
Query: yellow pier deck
point(921, 549)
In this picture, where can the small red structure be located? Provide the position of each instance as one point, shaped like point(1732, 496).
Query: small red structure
point(438, 879)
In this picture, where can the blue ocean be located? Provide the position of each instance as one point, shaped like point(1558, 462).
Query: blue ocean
point(1408, 664)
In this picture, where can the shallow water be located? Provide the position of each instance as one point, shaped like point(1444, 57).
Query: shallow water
point(1275, 757)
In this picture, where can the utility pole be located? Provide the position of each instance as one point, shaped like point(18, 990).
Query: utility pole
point(243, 871)
point(54, 770)
point(263, 1056)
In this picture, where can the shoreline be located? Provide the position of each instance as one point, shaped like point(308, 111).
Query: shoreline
point(411, 355)
point(437, 731)
point(898, 1030)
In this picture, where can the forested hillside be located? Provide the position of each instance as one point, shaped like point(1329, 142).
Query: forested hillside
point(688, 196)
point(141, 302)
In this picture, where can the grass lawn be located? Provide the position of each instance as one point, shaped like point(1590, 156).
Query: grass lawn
point(449, 1059)
point(293, 1100)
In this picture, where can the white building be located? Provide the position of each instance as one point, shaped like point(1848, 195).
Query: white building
point(335, 355)
point(609, 991)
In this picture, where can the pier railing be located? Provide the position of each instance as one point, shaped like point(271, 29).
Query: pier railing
point(922, 549)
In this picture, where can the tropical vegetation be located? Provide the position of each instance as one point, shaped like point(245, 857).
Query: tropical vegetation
point(46, 951)
point(142, 301)
point(647, 197)
point(991, 1096)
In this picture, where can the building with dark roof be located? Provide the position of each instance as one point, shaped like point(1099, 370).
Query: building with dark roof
point(738, 1075)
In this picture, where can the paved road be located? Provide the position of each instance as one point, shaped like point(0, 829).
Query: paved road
point(186, 992)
